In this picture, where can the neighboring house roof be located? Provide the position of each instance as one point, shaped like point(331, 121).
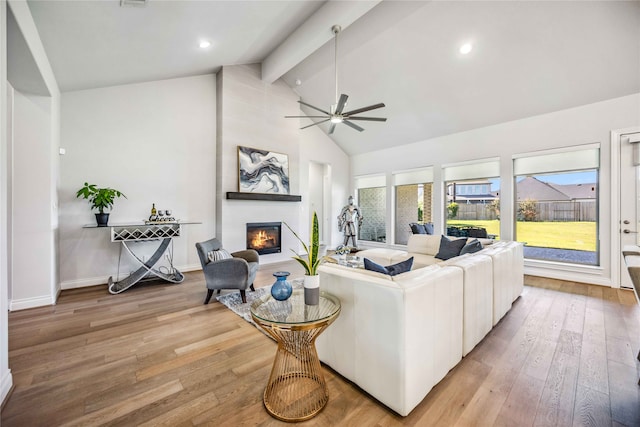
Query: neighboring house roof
point(577, 191)
point(533, 189)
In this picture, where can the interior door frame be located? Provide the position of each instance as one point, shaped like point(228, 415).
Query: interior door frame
point(616, 255)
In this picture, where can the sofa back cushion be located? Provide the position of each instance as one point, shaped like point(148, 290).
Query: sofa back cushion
point(426, 244)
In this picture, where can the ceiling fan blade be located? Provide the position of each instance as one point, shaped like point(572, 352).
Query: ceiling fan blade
point(341, 103)
point(316, 123)
point(353, 125)
point(332, 128)
point(370, 119)
point(304, 117)
point(363, 109)
point(315, 108)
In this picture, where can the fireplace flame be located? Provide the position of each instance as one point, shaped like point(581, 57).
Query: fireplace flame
point(261, 240)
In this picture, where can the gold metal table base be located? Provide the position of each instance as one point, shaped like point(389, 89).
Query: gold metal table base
point(296, 390)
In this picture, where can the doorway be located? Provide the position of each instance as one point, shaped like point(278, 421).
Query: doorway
point(319, 198)
point(627, 225)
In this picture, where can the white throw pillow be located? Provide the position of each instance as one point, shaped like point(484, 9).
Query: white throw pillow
point(218, 255)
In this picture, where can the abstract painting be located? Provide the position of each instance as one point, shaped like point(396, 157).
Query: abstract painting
point(262, 171)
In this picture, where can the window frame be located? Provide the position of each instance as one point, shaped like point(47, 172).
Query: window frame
point(574, 159)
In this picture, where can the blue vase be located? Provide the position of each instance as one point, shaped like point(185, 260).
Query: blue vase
point(281, 289)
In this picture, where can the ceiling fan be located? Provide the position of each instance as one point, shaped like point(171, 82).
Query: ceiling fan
point(336, 114)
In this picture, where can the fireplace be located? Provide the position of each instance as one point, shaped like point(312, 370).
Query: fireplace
point(264, 237)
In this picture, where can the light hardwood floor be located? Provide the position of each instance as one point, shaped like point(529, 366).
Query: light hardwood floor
point(155, 355)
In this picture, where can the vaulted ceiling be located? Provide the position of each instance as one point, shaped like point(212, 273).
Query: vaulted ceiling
point(528, 58)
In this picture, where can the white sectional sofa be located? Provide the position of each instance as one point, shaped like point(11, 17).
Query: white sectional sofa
point(398, 336)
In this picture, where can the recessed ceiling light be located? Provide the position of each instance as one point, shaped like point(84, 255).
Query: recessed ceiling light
point(138, 3)
point(204, 44)
point(466, 48)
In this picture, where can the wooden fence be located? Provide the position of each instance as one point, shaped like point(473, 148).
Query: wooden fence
point(566, 211)
point(546, 211)
point(475, 211)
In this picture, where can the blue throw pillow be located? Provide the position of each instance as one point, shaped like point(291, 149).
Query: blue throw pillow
point(428, 227)
point(450, 248)
point(417, 228)
point(401, 267)
point(372, 266)
point(471, 247)
point(391, 270)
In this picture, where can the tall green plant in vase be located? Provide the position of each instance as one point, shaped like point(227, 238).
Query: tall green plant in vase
point(310, 263)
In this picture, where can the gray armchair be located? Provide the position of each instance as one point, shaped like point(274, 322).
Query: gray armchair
point(238, 272)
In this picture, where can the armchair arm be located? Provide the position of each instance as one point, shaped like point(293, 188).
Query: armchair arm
point(248, 255)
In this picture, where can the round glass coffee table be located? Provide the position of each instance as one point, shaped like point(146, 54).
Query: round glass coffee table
point(296, 390)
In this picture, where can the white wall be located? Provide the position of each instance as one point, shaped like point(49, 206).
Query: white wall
point(6, 380)
point(153, 141)
point(32, 201)
point(582, 125)
point(251, 113)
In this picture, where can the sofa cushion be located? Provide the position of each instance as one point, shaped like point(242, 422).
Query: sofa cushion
point(423, 244)
point(391, 270)
point(471, 247)
point(417, 228)
point(428, 227)
point(419, 260)
point(450, 248)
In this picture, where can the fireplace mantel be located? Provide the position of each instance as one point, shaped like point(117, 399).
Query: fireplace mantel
point(232, 195)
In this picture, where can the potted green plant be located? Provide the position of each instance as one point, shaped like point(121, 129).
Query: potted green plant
point(101, 199)
point(310, 263)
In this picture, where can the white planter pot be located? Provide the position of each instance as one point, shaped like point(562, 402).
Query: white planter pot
point(312, 290)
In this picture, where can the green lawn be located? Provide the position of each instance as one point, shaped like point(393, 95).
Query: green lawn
point(562, 235)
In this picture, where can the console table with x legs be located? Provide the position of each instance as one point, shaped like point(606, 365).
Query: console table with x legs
point(126, 234)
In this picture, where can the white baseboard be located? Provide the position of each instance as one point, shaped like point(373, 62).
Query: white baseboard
point(6, 382)
point(103, 280)
point(192, 267)
point(83, 283)
point(24, 303)
point(568, 276)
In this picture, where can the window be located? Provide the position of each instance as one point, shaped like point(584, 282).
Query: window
point(372, 202)
point(473, 199)
point(557, 205)
point(413, 201)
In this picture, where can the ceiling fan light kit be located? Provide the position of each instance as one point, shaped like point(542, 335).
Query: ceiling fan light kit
point(336, 115)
